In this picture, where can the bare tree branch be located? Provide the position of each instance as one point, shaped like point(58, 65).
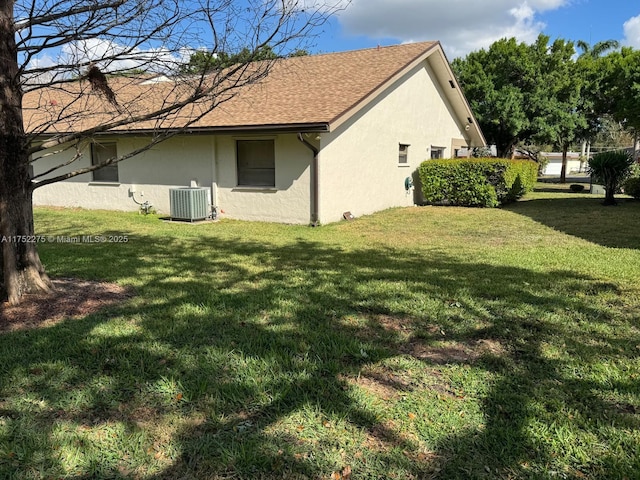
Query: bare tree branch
point(33, 20)
point(225, 25)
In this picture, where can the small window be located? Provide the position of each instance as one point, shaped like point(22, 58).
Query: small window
point(256, 163)
point(403, 153)
point(437, 152)
point(100, 153)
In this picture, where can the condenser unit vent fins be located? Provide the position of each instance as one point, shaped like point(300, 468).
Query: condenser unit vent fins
point(188, 203)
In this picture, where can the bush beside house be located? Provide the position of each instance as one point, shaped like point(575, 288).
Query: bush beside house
point(476, 182)
point(632, 187)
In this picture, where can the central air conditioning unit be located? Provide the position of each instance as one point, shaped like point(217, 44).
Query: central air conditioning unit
point(189, 203)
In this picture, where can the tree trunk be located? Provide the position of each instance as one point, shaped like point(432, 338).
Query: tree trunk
point(563, 170)
point(504, 150)
point(610, 185)
point(22, 270)
point(20, 265)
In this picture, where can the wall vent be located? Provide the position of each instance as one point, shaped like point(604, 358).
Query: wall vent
point(188, 203)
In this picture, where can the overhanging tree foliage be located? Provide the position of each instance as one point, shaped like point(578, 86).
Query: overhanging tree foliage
point(73, 47)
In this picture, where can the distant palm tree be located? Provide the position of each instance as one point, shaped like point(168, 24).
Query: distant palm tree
point(597, 49)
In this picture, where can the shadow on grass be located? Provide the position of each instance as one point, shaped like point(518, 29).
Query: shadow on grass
point(553, 184)
point(587, 218)
point(207, 372)
point(559, 188)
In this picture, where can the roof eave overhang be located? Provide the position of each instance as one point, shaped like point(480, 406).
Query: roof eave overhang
point(455, 95)
point(319, 127)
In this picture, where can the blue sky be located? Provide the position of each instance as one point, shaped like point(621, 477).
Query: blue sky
point(467, 25)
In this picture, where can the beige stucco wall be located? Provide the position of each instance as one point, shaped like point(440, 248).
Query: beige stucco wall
point(174, 163)
point(288, 202)
point(358, 163)
point(209, 161)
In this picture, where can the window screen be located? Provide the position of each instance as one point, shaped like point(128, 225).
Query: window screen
point(256, 163)
point(100, 153)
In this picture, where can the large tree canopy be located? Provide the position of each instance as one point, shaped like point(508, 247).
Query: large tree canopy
point(622, 87)
point(543, 94)
point(556, 104)
point(77, 48)
point(206, 61)
point(524, 93)
point(494, 82)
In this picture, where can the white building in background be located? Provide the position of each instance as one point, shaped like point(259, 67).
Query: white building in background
point(554, 165)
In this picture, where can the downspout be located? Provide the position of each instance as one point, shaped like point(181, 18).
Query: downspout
point(314, 181)
point(214, 178)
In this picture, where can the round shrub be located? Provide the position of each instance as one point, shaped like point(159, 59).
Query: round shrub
point(610, 169)
point(576, 188)
point(632, 187)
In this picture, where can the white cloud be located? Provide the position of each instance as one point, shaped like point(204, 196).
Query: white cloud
point(45, 62)
point(632, 32)
point(111, 56)
point(461, 25)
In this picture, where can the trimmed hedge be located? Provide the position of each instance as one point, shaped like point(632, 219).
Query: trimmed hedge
point(476, 182)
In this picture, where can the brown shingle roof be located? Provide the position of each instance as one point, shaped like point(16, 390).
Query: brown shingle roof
point(316, 89)
point(306, 90)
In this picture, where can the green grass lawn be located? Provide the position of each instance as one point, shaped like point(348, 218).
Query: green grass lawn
point(416, 343)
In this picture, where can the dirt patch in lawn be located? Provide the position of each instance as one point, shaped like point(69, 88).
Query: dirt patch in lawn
point(71, 298)
point(380, 382)
point(386, 435)
point(394, 324)
point(453, 352)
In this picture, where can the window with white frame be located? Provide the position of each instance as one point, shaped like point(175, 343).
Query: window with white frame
point(100, 154)
point(256, 163)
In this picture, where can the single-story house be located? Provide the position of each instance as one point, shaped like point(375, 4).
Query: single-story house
point(319, 136)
